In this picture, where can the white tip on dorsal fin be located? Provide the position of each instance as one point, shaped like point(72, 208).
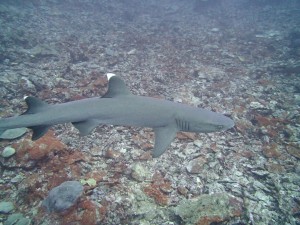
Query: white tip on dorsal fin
point(25, 97)
point(116, 87)
point(110, 75)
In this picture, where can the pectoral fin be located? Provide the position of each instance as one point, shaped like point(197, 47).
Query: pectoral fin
point(163, 138)
point(86, 127)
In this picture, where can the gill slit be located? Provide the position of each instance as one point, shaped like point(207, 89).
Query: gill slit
point(182, 125)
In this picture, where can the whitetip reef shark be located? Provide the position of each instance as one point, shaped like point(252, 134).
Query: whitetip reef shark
point(119, 106)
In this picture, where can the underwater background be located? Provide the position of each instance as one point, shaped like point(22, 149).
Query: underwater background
point(237, 57)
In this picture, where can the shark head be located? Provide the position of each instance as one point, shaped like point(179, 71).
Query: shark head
point(214, 122)
point(203, 121)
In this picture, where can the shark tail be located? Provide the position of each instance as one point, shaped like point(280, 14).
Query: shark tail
point(34, 106)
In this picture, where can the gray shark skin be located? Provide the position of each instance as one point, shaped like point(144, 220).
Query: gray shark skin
point(119, 107)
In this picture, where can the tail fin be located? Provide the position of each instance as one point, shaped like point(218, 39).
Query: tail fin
point(35, 105)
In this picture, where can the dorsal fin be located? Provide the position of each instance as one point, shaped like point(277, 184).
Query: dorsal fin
point(34, 105)
point(116, 87)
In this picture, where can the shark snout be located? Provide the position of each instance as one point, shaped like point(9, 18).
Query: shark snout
point(226, 123)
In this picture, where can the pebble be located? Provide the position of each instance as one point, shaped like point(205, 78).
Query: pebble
point(261, 173)
point(131, 52)
point(6, 207)
point(196, 165)
point(140, 173)
point(215, 29)
point(198, 143)
point(17, 179)
point(8, 152)
point(257, 105)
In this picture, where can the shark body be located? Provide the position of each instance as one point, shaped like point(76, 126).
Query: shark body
point(119, 107)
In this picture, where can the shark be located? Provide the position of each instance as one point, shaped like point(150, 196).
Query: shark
point(118, 106)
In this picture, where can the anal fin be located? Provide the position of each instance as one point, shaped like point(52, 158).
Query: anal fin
point(85, 127)
point(163, 138)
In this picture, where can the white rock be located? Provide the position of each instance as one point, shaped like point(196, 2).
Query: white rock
point(198, 143)
point(257, 105)
point(131, 52)
point(8, 152)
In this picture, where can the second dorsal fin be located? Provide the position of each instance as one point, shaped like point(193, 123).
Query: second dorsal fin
point(116, 87)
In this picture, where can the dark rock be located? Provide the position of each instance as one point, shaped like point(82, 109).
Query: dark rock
point(63, 196)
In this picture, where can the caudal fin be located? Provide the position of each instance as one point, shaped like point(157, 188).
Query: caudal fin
point(35, 105)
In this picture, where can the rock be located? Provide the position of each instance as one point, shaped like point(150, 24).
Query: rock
point(112, 154)
point(143, 207)
point(140, 173)
point(131, 52)
point(294, 151)
point(29, 152)
point(6, 207)
point(196, 165)
point(209, 209)
point(63, 196)
point(257, 105)
point(17, 219)
point(42, 51)
point(8, 152)
point(198, 143)
point(215, 29)
point(17, 179)
point(159, 189)
point(198, 74)
point(271, 151)
point(261, 173)
point(27, 85)
point(13, 133)
point(275, 168)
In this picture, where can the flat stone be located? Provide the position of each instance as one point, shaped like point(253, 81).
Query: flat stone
point(6, 207)
point(17, 219)
point(13, 133)
point(8, 152)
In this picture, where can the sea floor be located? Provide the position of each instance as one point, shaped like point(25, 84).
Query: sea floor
point(239, 58)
